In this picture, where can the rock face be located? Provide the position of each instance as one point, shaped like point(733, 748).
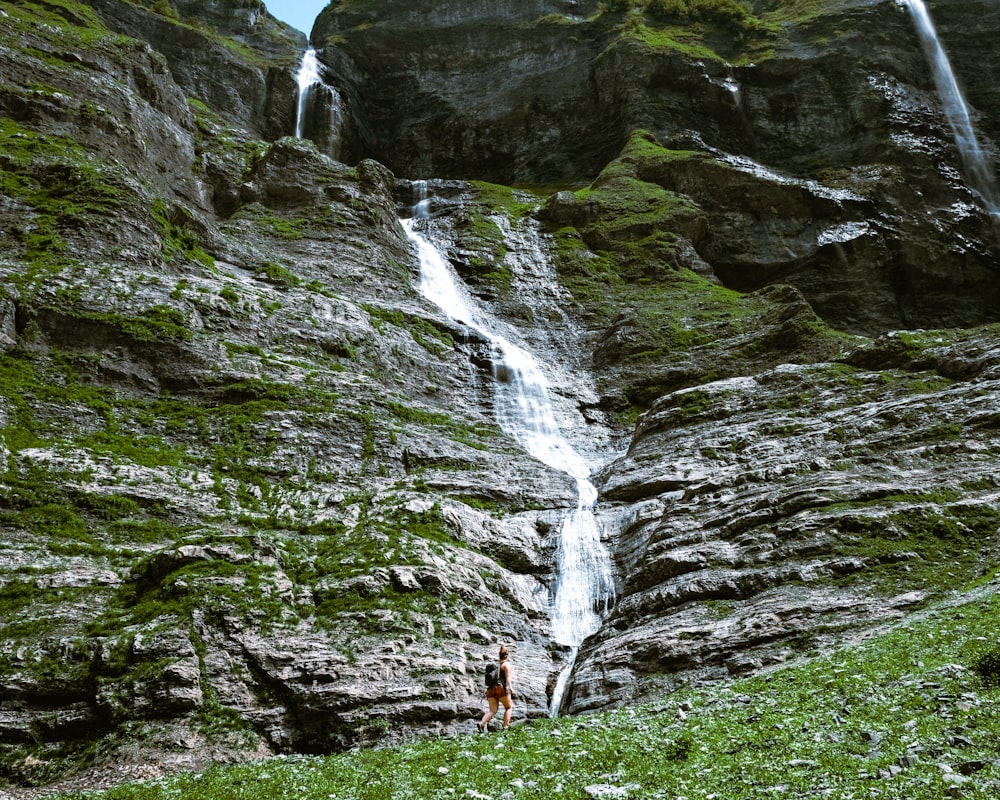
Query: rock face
point(249, 81)
point(832, 146)
point(255, 498)
point(755, 533)
point(497, 90)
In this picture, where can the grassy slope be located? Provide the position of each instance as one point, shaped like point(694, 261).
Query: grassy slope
point(736, 32)
point(902, 715)
point(622, 244)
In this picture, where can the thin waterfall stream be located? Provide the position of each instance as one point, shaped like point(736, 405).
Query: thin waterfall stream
point(585, 585)
point(308, 76)
point(309, 80)
point(977, 168)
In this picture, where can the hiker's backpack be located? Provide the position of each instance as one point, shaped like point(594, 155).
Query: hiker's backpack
point(493, 676)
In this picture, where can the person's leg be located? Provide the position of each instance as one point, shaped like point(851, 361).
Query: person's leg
point(494, 707)
point(508, 705)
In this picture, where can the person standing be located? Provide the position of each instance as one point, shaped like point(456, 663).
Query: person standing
point(501, 692)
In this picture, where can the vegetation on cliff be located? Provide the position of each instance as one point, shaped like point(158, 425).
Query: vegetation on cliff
point(736, 32)
point(625, 248)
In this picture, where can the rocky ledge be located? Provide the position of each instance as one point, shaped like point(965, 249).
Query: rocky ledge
point(770, 516)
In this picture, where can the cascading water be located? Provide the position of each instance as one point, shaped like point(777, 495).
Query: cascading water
point(585, 587)
point(310, 80)
point(977, 168)
point(308, 76)
point(730, 84)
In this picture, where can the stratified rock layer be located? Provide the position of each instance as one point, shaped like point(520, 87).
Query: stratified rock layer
point(765, 517)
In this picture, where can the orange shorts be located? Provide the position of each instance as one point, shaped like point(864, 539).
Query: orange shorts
point(497, 691)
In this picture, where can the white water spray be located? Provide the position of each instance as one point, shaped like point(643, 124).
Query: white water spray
point(310, 81)
point(730, 84)
point(585, 587)
point(977, 168)
point(309, 75)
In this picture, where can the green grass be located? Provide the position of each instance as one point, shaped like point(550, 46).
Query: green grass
point(909, 539)
point(476, 436)
point(629, 221)
point(798, 11)
point(734, 32)
point(504, 199)
point(179, 239)
point(67, 191)
point(715, 30)
point(272, 224)
point(212, 586)
point(278, 275)
point(62, 21)
point(908, 714)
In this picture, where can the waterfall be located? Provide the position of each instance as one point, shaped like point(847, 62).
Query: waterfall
point(307, 77)
point(977, 168)
point(585, 587)
point(310, 82)
point(730, 84)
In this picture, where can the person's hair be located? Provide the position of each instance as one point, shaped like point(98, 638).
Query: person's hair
point(503, 652)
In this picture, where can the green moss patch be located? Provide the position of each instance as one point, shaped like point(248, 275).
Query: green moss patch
point(717, 30)
point(63, 20)
point(228, 148)
point(424, 333)
point(215, 587)
point(63, 191)
point(178, 236)
point(624, 215)
point(624, 247)
point(918, 542)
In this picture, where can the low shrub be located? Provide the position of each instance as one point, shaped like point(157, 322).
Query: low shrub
point(986, 664)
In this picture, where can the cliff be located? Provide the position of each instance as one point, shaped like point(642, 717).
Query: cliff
point(255, 498)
